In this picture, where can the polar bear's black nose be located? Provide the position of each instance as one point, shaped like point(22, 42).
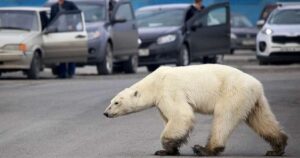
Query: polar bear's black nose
point(105, 114)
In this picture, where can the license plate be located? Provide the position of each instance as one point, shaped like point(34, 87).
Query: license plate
point(144, 52)
point(248, 42)
point(290, 49)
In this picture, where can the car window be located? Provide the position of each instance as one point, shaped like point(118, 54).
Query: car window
point(93, 12)
point(240, 21)
point(67, 22)
point(125, 11)
point(23, 20)
point(216, 17)
point(160, 17)
point(285, 17)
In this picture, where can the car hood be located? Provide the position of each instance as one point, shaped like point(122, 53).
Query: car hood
point(250, 30)
point(148, 34)
point(15, 36)
point(285, 29)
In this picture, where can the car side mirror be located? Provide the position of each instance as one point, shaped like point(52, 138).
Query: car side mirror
point(119, 20)
point(260, 23)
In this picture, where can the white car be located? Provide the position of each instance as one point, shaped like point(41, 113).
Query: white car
point(279, 39)
point(28, 42)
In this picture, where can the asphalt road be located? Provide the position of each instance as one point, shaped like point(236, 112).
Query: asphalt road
point(53, 118)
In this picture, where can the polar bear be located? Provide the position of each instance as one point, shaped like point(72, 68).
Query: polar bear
point(230, 95)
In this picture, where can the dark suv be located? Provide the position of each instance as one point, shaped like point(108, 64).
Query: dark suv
point(166, 40)
point(112, 35)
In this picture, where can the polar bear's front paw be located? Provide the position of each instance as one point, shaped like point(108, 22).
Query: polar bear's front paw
point(165, 153)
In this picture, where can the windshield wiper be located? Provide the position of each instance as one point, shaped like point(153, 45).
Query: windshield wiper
point(14, 28)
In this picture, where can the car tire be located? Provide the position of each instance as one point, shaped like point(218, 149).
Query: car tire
point(54, 70)
point(131, 65)
point(152, 68)
point(106, 66)
point(232, 51)
point(183, 57)
point(35, 67)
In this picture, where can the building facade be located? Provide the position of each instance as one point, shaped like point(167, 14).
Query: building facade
point(250, 8)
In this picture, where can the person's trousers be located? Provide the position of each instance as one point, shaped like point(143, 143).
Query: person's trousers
point(66, 70)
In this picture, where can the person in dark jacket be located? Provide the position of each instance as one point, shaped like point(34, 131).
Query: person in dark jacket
point(196, 7)
point(64, 70)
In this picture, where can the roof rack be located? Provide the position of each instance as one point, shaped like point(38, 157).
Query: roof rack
point(282, 4)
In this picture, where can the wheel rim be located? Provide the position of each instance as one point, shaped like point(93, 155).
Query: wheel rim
point(185, 57)
point(109, 60)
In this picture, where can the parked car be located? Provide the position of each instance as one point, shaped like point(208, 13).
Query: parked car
point(165, 39)
point(279, 39)
point(28, 43)
point(267, 10)
point(243, 33)
point(112, 37)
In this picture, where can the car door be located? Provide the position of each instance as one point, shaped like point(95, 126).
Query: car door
point(65, 39)
point(125, 34)
point(210, 31)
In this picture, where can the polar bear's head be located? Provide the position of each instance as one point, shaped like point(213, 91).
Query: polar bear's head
point(126, 102)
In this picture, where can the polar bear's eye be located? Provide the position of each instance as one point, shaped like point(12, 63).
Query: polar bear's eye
point(116, 103)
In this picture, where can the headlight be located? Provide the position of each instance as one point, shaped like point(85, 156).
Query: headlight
point(139, 41)
point(166, 39)
point(233, 36)
point(94, 34)
point(267, 31)
point(15, 47)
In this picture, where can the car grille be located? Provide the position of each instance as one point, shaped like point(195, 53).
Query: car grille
point(286, 39)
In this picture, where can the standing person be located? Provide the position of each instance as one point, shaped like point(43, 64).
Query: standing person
point(65, 70)
point(196, 7)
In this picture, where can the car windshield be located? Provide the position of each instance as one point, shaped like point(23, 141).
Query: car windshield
point(19, 20)
point(93, 12)
point(286, 17)
point(239, 21)
point(160, 18)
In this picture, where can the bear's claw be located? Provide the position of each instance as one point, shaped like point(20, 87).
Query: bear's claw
point(166, 153)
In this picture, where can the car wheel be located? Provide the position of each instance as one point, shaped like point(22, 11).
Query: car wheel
point(35, 67)
point(152, 68)
point(106, 67)
point(131, 65)
point(232, 51)
point(184, 57)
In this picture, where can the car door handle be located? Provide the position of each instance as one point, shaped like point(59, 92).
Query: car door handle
point(80, 36)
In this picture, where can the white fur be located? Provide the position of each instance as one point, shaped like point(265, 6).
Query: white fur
point(227, 93)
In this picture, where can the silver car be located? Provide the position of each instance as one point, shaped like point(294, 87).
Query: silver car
point(279, 39)
point(28, 43)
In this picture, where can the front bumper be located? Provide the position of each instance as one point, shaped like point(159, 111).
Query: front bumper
point(15, 60)
point(268, 51)
point(243, 43)
point(159, 54)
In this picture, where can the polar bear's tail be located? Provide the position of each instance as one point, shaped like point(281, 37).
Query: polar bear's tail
point(263, 122)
